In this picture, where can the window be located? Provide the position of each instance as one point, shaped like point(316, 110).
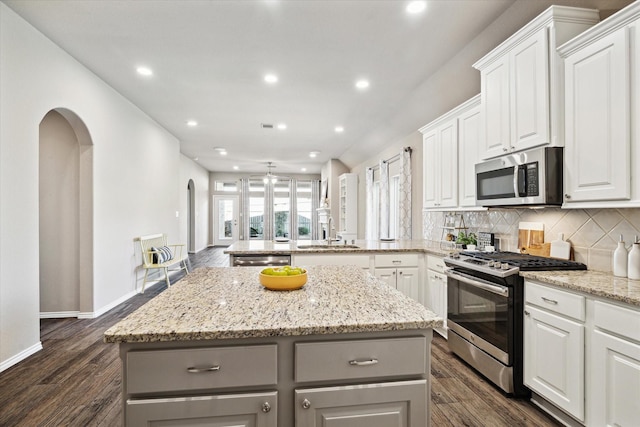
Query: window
point(256, 209)
point(228, 186)
point(304, 209)
point(282, 208)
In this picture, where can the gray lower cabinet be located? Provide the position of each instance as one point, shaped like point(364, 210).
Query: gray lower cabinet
point(334, 380)
point(237, 410)
point(395, 404)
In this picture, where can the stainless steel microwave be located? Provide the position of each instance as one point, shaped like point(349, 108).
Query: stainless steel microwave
point(529, 178)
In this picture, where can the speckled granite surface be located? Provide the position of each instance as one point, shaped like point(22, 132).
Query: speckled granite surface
point(226, 302)
point(591, 282)
point(255, 247)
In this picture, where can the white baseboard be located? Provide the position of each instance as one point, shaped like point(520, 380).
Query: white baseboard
point(6, 364)
point(58, 314)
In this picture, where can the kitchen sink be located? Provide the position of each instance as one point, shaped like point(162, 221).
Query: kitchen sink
point(336, 246)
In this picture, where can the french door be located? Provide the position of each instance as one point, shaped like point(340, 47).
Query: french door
point(226, 216)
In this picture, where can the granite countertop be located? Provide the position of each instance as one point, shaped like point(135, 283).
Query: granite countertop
point(272, 247)
point(230, 302)
point(591, 282)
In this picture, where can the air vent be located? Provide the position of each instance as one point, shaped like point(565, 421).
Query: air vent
point(266, 126)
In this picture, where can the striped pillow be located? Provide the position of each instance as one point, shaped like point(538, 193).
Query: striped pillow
point(161, 254)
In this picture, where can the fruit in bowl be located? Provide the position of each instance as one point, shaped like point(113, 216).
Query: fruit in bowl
point(285, 278)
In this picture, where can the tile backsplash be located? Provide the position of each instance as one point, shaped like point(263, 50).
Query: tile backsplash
point(593, 233)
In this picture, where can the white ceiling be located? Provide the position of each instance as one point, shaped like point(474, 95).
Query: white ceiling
point(209, 59)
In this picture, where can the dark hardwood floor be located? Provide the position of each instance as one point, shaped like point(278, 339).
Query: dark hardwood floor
point(75, 380)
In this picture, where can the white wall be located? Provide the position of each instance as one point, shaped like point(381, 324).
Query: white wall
point(200, 176)
point(134, 178)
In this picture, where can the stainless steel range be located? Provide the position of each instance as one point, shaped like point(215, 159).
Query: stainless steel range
point(485, 300)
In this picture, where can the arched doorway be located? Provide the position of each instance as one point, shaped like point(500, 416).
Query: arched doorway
point(191, 217)
point(66, 216)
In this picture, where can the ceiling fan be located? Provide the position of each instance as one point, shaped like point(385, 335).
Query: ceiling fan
point(270, 176)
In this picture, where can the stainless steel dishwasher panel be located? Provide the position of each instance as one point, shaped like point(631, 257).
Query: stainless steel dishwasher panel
point(259, 260)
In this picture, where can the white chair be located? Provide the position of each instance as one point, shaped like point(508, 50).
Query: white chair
point(157, 254)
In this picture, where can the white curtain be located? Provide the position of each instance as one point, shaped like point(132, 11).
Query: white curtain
point(384, 199)
point(405, 194)
point(369, 226)
point(315, 204)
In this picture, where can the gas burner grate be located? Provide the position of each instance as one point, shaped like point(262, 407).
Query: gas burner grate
point(527, 262)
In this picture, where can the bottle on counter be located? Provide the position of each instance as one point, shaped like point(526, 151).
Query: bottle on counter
point(634, 261)
point(620, 259)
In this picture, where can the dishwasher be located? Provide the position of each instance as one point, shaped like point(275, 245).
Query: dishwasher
point(259, 260)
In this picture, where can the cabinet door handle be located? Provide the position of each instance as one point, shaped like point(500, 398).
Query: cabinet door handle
point(505, 149)
point(266, 407)
point(367, 362)
point(567, 196)
point(194, 370)
point(550, 301)
point(400, 272)
point(526, 313)
point(306, 404)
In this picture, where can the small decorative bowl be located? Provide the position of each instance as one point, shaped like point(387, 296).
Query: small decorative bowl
point(283, 283)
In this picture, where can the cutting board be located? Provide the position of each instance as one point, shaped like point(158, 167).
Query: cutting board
point(560, 248)
point(531, 239)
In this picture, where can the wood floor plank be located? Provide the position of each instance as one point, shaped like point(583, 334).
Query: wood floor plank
point(76, 380)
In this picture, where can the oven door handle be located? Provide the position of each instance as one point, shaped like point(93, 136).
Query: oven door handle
point(479, 283)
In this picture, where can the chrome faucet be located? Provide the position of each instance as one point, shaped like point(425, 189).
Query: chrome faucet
point(329, 223)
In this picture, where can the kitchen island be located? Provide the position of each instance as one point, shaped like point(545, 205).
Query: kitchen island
point(219, 347)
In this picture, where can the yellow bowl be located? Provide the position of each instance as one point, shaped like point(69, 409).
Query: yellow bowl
point(283, 283)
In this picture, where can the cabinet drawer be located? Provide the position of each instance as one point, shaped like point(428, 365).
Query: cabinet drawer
point(435, 263)
point(338, 360)
point(556, 300)
point(396, 260)
point(201, 368)
point(619, 320)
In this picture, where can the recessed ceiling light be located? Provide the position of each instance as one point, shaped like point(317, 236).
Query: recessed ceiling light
point(362, 84)
point(303, 169)
point(271, 78)
point(192, 123)
point(339, 129)
point(144, 71)
point(416, 6)
point(223, 153)
point(195, 159)
point(314, 153)
point(235, 168)
point(282, 126)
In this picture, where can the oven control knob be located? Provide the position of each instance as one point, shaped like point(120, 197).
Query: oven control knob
point(505, 266)
point(490, 264)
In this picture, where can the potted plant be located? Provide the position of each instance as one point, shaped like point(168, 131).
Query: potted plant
point(465, 239)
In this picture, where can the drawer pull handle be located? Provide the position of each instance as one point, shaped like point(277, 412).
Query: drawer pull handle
point(194, 370)
point(396, 262)
point(306, 404)
point(550, 301)
point(367, 362)
point(266, 407)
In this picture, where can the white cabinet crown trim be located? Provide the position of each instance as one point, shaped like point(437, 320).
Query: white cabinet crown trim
point(616, 21)
point(451, 114)
point(552, 14)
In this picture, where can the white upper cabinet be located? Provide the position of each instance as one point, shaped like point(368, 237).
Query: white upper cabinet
point(519, 79)
point(450, 152)
point(469, 153)
point(441, 165)
point(601, 73)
